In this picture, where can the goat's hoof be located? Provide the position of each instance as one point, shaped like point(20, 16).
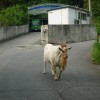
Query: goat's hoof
point(44, 72)
point(53, 75)
point(55, 78)
point(58, 78)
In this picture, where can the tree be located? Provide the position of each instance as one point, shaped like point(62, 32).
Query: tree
point(5, 3)
point(13, 16)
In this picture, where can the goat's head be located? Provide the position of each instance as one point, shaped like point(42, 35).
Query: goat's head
point(64, 55)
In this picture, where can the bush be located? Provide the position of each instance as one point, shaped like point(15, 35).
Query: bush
point(96, 53)
point(97, 24)
point(12, 16)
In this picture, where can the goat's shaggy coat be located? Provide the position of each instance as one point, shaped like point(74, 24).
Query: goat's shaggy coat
point(56, 55)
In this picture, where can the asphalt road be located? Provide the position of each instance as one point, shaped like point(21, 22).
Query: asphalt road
point(21, 78)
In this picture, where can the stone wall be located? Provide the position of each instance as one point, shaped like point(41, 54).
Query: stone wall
point(74, 33)
point(12, 31)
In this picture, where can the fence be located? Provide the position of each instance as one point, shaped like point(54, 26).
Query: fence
point(74, 33)
point(12, 31)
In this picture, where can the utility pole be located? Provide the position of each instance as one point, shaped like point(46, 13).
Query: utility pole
point(89, 2)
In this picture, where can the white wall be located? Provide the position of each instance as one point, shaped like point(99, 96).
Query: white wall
point(58, 17)
point(72, 15)
point(54, 17)
point(64, 16)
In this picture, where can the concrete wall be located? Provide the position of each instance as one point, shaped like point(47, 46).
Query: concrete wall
point(44, 34)
point(12, 31)
point(74, 33)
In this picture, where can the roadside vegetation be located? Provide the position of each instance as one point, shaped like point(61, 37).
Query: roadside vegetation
point(96, 48)
point(12, 16)
point(96, 53)
point(96, 21)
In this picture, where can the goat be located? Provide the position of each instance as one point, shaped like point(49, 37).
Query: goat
point(57, 56)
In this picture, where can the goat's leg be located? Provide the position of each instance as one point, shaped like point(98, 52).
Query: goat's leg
point(44, 70)
point(60, 74)
point(54, 72)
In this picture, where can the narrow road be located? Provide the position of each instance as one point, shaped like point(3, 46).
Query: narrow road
point(26, 40)
point(21, 78)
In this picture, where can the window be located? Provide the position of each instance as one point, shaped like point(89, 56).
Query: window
point(36, 22)
point(79, 15)
point(82, 16)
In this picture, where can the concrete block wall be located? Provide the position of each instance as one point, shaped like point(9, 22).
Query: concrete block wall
point(1, 33)
point(74, 33)
point(12, 31)
point(44, 34)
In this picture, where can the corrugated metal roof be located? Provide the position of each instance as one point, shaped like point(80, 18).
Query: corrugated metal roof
point(69, 6)
point(39, 9)
point(44, 8)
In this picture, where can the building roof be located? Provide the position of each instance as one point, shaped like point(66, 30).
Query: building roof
point(69, 6)
point(43, 8)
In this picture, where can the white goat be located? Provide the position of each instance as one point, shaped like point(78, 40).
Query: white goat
point(56, 55)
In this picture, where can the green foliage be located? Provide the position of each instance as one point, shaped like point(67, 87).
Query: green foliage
point(96, 53)
point(98, 38)
point(14, 11)
point(95, 7)
point(97, 24)
point(13, 16)
point(96, 14)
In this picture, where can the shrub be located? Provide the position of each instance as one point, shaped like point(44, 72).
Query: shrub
point(96, 53)
point(12, 16)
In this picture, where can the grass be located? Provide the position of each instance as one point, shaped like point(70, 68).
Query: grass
point(96, 53)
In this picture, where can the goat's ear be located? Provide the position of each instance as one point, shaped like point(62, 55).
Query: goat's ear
point(61, 49)
point(69, 48)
